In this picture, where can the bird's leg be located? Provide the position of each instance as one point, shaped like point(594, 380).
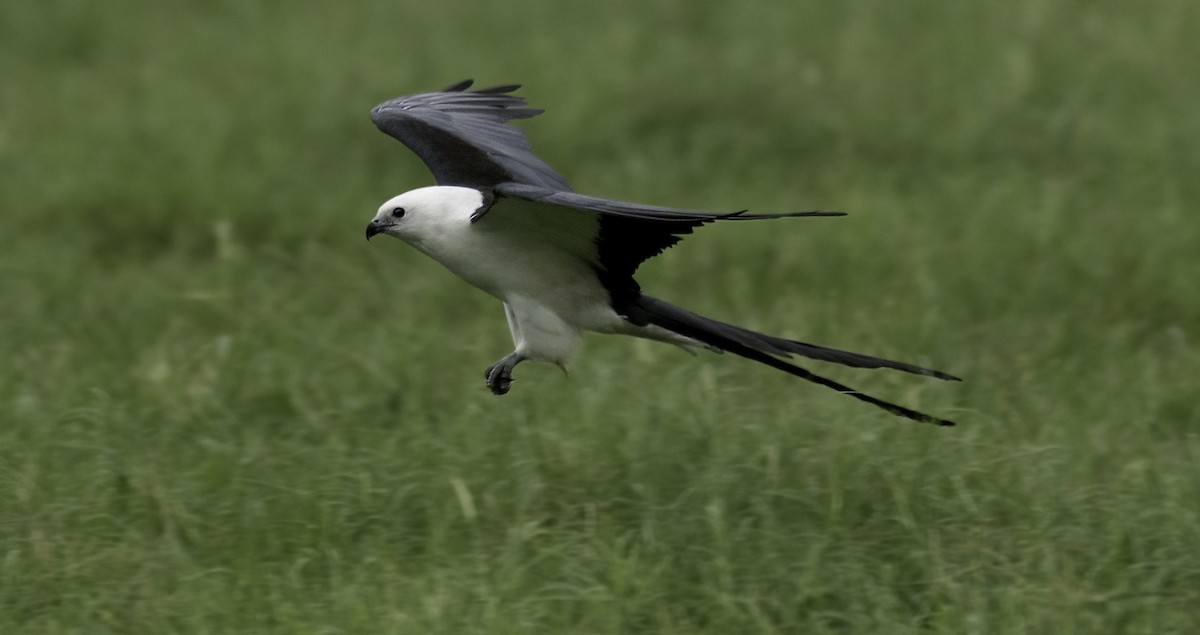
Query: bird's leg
point(499, 375)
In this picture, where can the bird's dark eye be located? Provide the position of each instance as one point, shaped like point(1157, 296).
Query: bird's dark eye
point(397, 212)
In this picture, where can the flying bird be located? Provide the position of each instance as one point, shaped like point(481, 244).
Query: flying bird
point(561, 262)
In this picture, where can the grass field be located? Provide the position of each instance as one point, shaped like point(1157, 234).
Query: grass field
point(221, 411)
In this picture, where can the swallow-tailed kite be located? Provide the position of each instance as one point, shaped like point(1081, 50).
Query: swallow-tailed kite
point(561, 262)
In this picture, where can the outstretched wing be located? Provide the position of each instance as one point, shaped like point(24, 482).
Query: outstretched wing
point(638, 211)
point(628, 233)
point(464, 138)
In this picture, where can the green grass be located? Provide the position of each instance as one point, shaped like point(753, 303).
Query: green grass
point(222, 412)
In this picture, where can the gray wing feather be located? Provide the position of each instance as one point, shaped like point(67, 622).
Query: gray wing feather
point(632, 210)
point(464, 136)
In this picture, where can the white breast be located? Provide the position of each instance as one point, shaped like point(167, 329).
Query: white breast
point(526, 254)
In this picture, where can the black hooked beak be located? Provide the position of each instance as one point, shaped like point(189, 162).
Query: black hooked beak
point(375, 227)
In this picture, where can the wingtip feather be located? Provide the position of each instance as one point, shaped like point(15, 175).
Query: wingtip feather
point(745, 215)
point(459, 87)
point(498, 90)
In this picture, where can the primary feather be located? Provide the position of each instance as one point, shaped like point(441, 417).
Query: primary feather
point(463, 137)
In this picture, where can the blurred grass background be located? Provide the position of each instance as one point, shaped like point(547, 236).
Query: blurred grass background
point(222, 412)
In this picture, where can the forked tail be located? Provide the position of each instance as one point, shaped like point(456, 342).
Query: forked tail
point(768, 350)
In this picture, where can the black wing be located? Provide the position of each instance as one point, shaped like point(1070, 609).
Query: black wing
point(464, 138)
point(630, 233)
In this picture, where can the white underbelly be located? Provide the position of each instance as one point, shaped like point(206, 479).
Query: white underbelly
point(535, 275)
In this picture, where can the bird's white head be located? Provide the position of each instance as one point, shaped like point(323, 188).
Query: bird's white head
point(423, 212)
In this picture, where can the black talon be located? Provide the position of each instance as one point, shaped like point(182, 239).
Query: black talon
point(499, 375)
point(501, 386)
